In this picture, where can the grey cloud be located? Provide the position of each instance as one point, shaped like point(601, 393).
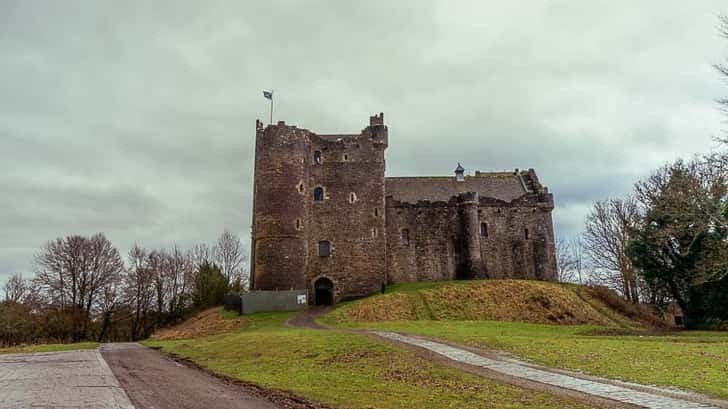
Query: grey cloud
point(137, 118)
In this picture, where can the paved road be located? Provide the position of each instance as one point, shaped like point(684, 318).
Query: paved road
point(631, 394)
point(154, 381)
point(72, 379)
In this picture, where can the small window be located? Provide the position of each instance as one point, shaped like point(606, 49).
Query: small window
point(346, 157)
point(318, 194)
point(300, 187)
point(298, 224)
point(405, 237)
point(484, 229)
point(352, 197)
point(525, 233)
point(324, 248)
point(376, 212)
point(375, 232)
point(317, 157)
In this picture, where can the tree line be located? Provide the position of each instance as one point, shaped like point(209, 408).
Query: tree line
point(84, 290)
point(667, 241)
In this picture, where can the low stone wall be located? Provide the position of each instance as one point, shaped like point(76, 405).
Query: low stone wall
point(268, 301)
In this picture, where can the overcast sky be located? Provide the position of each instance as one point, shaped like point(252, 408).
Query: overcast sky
point(137, 119)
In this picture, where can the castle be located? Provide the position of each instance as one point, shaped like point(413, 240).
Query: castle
point(327, 219)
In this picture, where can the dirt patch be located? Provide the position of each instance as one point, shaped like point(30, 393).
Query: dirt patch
point(207, 323)
point(499, 300)
point(307, 318)
point(387, 307)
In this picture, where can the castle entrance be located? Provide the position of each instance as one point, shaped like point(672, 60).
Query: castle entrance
point(324, 294)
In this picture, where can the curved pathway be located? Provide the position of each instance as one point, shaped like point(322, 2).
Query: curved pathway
point(594, 390)
point(154, 381)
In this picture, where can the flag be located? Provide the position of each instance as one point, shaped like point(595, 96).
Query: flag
point(268, 94)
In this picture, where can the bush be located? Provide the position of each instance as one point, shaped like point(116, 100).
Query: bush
point(636, 312)
point(210, 286)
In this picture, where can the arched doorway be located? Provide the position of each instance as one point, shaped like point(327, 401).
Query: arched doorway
point(324, 291)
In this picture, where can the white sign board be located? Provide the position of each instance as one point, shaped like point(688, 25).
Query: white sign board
point(302, 299)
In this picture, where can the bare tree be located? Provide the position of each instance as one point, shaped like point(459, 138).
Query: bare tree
point(228, 254)
point(200, 254)
point(179, 270)
point(606, 239)
point(73, 270)
point(564, 261)
point(139, 290)
point(723, 68)
point(16, 289)
point(108, 302)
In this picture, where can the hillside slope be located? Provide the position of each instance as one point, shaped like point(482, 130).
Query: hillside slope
point(498, 300)
point(203, 324)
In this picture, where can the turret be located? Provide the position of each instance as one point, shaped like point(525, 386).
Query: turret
point(472, 266)
point(279, 207)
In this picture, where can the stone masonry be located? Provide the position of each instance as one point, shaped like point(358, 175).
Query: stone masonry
point(326, 219)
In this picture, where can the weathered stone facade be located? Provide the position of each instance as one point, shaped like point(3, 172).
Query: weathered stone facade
point(325, 218)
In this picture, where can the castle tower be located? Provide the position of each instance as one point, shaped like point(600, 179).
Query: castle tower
point(279, 208)
point(473, 263)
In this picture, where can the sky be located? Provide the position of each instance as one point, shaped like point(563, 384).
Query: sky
point(137, 118)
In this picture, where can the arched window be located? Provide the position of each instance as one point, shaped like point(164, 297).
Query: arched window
point(317, 157)
point(405, 237)
point(324, 248)
point(525, 233)
point(318, 194)
point(352, 197)
point(484, 229)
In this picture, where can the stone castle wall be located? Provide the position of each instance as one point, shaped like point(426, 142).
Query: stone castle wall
point(351, 214)
point(440, 233)
point(363, 222)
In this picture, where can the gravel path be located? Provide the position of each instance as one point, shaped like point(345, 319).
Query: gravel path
point(657, 399)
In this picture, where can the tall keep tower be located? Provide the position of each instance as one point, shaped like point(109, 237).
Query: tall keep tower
point(279, 208)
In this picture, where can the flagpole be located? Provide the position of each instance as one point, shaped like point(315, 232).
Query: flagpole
point(271, 110)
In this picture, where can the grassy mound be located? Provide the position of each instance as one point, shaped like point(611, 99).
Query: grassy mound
point(497, 300)
point(207, 323)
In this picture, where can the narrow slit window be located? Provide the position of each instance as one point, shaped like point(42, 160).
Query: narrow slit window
point(317, 157)
point(405, 237)
point(484, 229)
point(324, 248)
point(376, 212)
point(525, 233)
point(346, 157)
point(318, 194)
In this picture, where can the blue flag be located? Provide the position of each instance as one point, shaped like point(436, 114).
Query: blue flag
point(268, 94)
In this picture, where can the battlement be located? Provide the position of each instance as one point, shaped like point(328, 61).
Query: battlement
point(377, 120)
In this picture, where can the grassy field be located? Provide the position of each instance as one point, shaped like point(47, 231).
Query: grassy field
point(689, 360)
point(346, 370)
point(48, 348)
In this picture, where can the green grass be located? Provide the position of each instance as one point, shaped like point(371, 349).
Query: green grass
point(347, 370)
point(690, 360)
point(48, 348)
